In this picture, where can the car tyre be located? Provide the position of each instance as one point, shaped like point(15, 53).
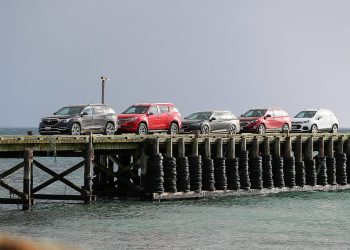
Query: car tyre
point(173, 129)
point(205, 129)
point(75, 129)
point(142, 129)
point(110, 129)
point(314, 129)
point(285, 128)
point(232, 129)
point(261, 129)
point(334, 129)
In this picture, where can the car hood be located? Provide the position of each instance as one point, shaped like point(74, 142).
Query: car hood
point(301, 119)
point(248, 119)
point(123, 116)
point(59, 116)
point(188, 122)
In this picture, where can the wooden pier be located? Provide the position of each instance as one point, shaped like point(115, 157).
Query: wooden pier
point(162, 167)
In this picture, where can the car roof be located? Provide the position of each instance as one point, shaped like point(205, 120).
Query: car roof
point(213, 111)
point(150, 104)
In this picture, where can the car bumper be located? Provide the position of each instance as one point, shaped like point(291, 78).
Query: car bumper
point(127, 128)
point(300, 128)
point(52, 130)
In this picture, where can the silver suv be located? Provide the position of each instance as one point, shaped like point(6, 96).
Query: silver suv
point(78, 119)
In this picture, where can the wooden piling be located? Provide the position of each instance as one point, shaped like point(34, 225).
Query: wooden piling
point(243, 144)
point(340, 146)
point(255, 151)
point(321, 147)
point(89, 157)
point(309, 148)
point(169, 147)
point(277, 147)
point(219, 150)
point(207, 148)
point(181, 148)
point(330, 147)
point(299, 149)
point(266, 150)
point(27, 186)
point(288, 147)
point(232, 148)
point(195, 147)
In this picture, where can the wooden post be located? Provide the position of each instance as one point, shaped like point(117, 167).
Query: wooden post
point(243, 144)
point(169, 147)
point(299, 149)
point(195, 147)
point(340, 146)
point(110, 166)
point(232, 148)
point(321, 147)
point(155, 146)
point(330, 147)
point(288, 147)
point(207, 149)
point(181, 146)
point(255, 152)
point(277, 147)
point(309, 148)
point(89, 157)
point(219, 150)
point(266, 151)
point(27, 186)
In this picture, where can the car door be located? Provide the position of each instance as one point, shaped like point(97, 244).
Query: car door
point(214, 122)
point(224, 121)
point(269, 120)
point(321, 118)
point(165, 117)
point(86, 119)
point(99, 118)
point(154, 118)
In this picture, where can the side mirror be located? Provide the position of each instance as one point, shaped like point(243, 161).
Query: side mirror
point(186, 118)
point(212, 119)
point(241, 116)
point(267, 116)
point(319, 117)
point(150, 113)
point(84, 113)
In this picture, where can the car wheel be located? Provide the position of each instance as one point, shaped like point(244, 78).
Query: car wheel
point(75, 129)
point(314, 129)
point(285, 128)
point(335, 129)
point(142, 129)
point(205, 129)
point(262, 129)
point(232, 129)
point(173, 129)
point(109, 130)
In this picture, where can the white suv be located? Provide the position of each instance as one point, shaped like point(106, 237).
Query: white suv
point(314, 120)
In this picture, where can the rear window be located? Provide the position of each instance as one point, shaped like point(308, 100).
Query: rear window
point(163, 109)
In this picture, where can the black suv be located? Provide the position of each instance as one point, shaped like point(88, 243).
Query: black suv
point(77, 119)
point(211, 121)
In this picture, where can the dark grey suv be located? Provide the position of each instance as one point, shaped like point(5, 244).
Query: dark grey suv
point(77, 119)
point(211, 121)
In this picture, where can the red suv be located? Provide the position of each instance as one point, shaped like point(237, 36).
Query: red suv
point(150, 117)
point(265, 120)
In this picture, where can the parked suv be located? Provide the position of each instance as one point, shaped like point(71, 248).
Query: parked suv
point(150, 117)
point(77, 119)
point(265, 120)
point(211, 121)
point(314, 120)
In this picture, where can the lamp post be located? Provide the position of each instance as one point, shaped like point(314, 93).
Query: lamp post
point(103, 78)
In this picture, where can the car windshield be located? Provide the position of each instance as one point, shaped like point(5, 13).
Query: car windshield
point(200, 116)
point(69, 111)
point(306, 114)
point(136, 110)
point(255, 113)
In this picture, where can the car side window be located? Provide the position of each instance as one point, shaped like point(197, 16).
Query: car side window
point(164, 109)
point(87, 110)
point(154, 110)
point(98, 110)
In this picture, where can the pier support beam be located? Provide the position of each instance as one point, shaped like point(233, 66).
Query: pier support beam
point(27, 178)
point(89, 157)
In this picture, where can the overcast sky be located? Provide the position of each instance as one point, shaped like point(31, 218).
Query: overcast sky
point(200, 55)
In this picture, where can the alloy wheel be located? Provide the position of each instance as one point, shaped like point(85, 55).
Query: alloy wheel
point(262, 129)
point(75, 130)
point(232, 129)
point(142, 130)
point(174, 129)
point(109, 129)
point(205, 129)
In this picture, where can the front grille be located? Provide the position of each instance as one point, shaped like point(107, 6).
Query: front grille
point(122, 121)
point(50, 122)
point(243, 124)
point(294, 126)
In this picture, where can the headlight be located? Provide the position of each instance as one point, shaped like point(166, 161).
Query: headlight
point(196, 124)
point(253, 121)
point(308, 121)
point(131, 119)
point(64, 120)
